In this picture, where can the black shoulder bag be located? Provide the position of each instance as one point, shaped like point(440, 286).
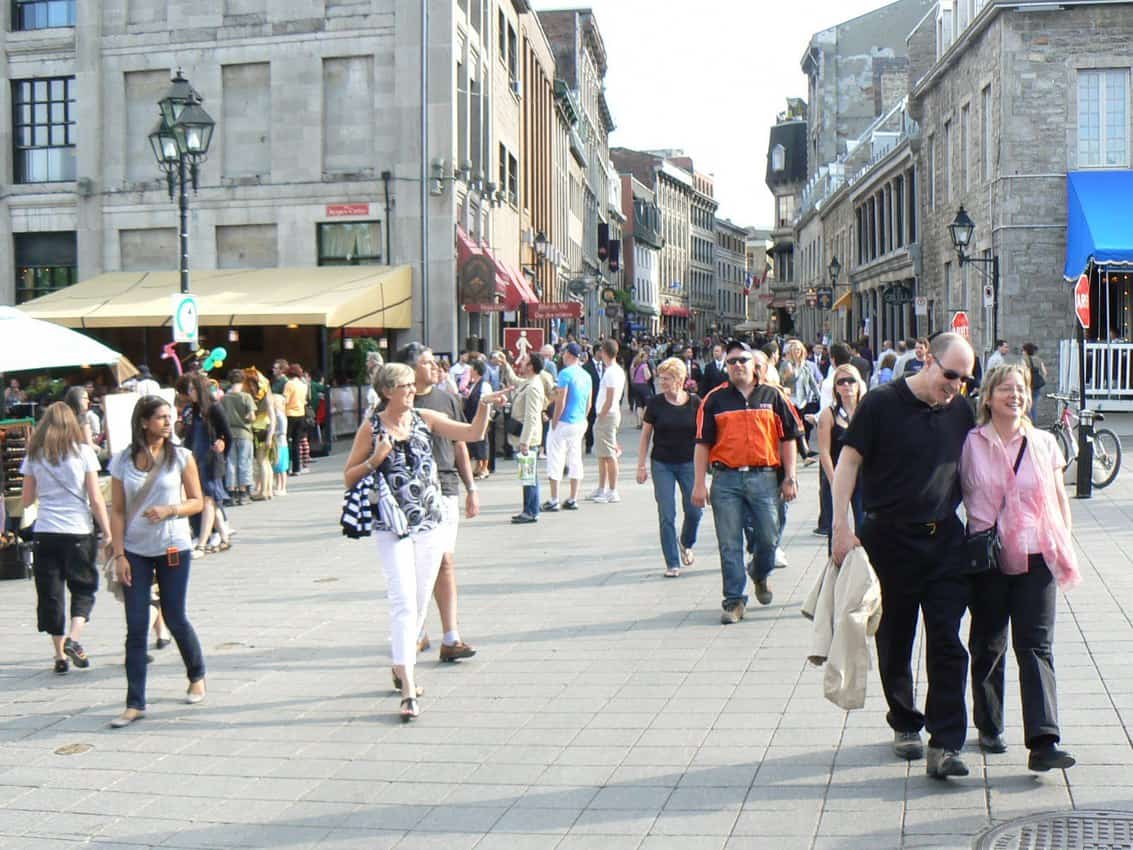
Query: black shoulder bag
point(981, 548)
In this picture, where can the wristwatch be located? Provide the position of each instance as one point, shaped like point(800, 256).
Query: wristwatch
point(794, 481)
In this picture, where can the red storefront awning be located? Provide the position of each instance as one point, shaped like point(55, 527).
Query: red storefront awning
point(510, 284)
point(676, 310)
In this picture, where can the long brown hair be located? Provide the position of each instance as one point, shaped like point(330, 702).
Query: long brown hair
point(57, 436)
point(199, 382)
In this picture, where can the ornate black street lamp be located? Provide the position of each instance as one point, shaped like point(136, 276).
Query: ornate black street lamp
point(180, 143)
point(961, 230)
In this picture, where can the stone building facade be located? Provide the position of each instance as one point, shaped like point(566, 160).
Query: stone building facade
point(730, 274)
point(641, 252)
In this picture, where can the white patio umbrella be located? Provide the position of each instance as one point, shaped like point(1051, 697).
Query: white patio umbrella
point(28, 344)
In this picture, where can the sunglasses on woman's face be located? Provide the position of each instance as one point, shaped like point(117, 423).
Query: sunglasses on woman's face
point(842, 382)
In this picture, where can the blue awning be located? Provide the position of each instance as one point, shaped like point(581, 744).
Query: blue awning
point(1097, 223)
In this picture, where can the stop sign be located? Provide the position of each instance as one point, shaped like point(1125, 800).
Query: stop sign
point(960, 325)
point(1082, 301)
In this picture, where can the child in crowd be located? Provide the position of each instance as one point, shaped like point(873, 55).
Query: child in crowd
point(283, 455)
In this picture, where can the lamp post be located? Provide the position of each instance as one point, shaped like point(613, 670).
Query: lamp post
point(961, 230)
point(540, 256)
point(834, 270)
point(180, 143)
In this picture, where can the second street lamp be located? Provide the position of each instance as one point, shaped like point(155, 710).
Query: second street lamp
point(961, 231)
point(180, 143)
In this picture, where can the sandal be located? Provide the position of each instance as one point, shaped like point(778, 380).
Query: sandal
point(397, 684)
point(200, 551)
point(224, 546)
point(210, 549)
point(672, 572)
point(409, 709)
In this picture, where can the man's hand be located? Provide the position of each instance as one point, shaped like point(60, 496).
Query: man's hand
point(790, 489)
point(218, 446)
point(472, 504)
point(642, 474)
point(844, 541)
point(700, 495)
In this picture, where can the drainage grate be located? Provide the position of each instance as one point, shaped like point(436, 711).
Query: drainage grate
point(1073, 830)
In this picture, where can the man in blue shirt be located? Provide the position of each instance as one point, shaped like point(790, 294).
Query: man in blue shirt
point(568, 426)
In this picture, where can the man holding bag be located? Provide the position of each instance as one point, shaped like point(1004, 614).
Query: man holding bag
point(527, 415)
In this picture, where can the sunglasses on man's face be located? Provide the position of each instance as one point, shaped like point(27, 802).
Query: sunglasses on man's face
point(953, 375)
point(736, 361)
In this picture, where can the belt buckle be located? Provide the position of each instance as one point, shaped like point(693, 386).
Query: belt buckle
point(931, 526)
point(743, 469)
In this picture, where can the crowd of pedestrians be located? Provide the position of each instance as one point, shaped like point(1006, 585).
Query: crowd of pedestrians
point(900, 438)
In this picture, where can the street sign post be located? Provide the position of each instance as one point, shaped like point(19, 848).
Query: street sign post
point(1082, 301)
point(989, 295)
point(185, 318)
point(920, 307)
point(960, 325)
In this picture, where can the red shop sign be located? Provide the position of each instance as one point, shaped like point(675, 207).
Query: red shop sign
point(341, 210)
point(554, 310)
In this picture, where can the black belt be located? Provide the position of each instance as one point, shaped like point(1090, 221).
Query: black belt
point(926, 528)
point(719, 467)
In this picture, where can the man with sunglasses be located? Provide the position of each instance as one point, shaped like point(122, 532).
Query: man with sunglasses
point(905, 442)
point(746, 432)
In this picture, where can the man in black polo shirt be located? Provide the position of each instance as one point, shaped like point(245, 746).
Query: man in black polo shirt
point(746, 432)
point(905, 441)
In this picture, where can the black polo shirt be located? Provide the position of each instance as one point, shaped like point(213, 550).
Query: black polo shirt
point(910, 450)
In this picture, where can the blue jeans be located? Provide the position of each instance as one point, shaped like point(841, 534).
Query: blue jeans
point(745, 499)
point(173, 583)
point(666, 478)
point(531, 498)
point(240, 464)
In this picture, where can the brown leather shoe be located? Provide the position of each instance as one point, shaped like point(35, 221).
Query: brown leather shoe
point(456, 651)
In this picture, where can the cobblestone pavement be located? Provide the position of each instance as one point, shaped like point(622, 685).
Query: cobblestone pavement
point(607, 707)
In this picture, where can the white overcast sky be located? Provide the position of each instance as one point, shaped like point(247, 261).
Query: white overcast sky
point(709, 77)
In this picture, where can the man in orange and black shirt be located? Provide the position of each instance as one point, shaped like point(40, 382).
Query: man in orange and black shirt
point(746, 432)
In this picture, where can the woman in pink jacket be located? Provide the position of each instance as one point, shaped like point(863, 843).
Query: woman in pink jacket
point(1012, 478)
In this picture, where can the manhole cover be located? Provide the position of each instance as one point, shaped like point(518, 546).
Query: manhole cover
point(1084, 829)
point(73, 749)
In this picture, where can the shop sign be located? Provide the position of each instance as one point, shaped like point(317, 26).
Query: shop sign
point(554, 310)
point(342, 210)
point(478, 282)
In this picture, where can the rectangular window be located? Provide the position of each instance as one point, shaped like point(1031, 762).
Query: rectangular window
point(948, 161)
point(1103, 131)
point(513, 180)
point(932, 172)
point(42, 14)
point(965, 135)
point(43, 124)
point(45, 262)
point(350, 243)
point(501, 34)
point(512, 55)
point(985, 147)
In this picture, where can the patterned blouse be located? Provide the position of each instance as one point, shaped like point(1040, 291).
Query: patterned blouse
point(411, 475)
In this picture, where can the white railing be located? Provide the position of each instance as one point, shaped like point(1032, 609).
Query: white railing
point(1109, 373)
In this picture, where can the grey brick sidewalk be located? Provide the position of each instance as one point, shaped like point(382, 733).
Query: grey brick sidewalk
point(607, 707)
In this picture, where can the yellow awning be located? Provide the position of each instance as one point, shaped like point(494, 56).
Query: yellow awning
point(324, 296)
point(843, 300)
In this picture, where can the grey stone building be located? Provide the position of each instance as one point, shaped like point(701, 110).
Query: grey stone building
point(702, 248)
point(786, 175)
point(730, 274)
point(641, 252)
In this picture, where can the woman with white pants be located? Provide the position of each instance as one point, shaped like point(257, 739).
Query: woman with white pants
point(394, 446)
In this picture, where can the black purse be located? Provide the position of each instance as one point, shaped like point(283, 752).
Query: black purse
point(982, 548)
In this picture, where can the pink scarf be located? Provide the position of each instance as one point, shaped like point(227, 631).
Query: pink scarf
point(988, 468)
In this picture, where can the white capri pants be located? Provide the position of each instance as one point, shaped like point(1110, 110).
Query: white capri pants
point(564, 446)
point(410, 565)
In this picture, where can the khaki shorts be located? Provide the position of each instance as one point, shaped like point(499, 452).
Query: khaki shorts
point(606, 435)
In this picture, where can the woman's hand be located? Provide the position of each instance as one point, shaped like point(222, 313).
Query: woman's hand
point(159, 513)
point(642, 474)
point(122, 568)
point(497, 397)
point(108, 547)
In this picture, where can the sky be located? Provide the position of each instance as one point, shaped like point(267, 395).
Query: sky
point(709, 78)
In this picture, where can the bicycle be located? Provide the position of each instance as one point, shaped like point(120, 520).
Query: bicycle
point(1106, 445)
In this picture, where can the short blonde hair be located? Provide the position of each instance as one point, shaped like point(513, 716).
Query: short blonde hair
point(993, 379)
point(673, 366)
point(389, 375)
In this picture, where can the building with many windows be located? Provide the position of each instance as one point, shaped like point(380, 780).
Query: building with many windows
point(730, 276)
point(641, 253)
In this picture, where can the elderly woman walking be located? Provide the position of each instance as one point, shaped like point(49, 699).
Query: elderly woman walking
point(154, 489)
point(394, 445)
point(669, 421)
point(1011, 474)
point(61, 472)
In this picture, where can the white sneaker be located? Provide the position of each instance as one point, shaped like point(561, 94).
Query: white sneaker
point(612, 496)
point(601, 497)
point(780, 558)
point(596, 496)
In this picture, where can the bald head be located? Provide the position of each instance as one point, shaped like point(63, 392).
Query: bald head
point(547, 351)
point(942, 344)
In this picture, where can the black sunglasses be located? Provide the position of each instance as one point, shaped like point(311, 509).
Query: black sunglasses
point(953, 375)
point(735, 361)
point(843, 381)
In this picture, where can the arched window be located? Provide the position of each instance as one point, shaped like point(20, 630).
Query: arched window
point(778, 158)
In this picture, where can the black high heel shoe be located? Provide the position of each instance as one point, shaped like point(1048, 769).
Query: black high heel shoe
point(397, 684)
point(409, 709)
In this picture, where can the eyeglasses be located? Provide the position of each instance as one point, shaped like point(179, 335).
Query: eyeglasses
point(735, 361)
point(953, 375)
point(841, 382)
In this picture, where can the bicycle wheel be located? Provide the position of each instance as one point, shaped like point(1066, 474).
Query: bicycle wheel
point(1063, 439)
point(1107, 458)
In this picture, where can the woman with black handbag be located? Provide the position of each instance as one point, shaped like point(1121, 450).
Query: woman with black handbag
point(205, 432)
point(1011, 473)
point(61, 473)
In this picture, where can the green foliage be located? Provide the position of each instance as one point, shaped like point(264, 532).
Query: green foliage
point(352, 362)
point(46, 389)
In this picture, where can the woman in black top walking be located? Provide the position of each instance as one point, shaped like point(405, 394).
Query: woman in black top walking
point(832, 424)
point(670, 421)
